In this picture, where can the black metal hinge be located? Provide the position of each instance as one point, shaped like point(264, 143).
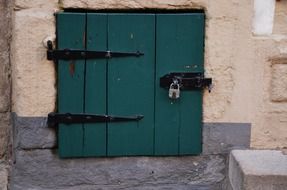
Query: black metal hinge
point(72, 54)
point(186, 81)
point(69, 118)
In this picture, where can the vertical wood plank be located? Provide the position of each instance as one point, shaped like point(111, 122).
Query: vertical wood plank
point(179, 48)
point(71, 34)
point(166, 111)
point(131, 83)
point(190, 137)
point(95, 95)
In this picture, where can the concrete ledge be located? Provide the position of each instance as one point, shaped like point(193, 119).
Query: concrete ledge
point(43, 170)
point(258, 170)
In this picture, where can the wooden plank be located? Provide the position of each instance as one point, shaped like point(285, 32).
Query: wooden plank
point(131, 83)
point(190, 137)
point(71, 34)
point(95, 95)
point(178, 122)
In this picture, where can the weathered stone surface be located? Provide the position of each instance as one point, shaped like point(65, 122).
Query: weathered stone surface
point(279, 80)
point(271, 136)
point(5, 36)
point(32, 133)
point(3, 175)
point(42, 169)
point(270, 131)
point(4, 80)
point(221, 138)
point(33, 75)
point(5, 33)
point(263, 17)
point(280, 18)
point(134, 4)
point(4, 133)
point(35, 4)
point(258, 170)
point(269, 124)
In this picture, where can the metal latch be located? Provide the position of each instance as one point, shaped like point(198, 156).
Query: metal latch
point(72, 54)
point(69, 118)
point(186, 81)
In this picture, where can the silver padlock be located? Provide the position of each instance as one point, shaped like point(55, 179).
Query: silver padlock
point(174, 91)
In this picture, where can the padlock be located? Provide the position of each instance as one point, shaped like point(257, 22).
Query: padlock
point(174, 91)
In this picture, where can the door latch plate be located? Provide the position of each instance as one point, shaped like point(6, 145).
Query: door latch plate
point(186, 80)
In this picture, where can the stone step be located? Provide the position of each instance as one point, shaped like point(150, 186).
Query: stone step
point(43, 170)
point(258, 170)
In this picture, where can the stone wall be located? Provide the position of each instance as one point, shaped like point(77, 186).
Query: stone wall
point(5, 37)
point(240, 48)
point(37, 164)
point(246, 60)
point(269, 128)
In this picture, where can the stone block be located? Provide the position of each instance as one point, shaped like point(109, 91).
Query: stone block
point(33, 75)
point(5, 32)
point(258, 170)
point(263, 17)
point(5, 37)
point(3, 176)
point(280, 18)
point(221, 138)
point(274, 131)
point(33, 133)
point(43, 170)
point(279, 80)
point(28, 4)
point(4, 132)
point(134, 4)
point(4, 80)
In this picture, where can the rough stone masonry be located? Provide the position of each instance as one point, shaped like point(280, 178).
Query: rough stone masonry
point(239, 56)
point(36, 164)
point(5, 37)
point(248, 67)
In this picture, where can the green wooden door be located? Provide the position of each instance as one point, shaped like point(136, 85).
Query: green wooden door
point(130, 86)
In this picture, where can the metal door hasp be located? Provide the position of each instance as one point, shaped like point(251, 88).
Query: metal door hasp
point(186, 81)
